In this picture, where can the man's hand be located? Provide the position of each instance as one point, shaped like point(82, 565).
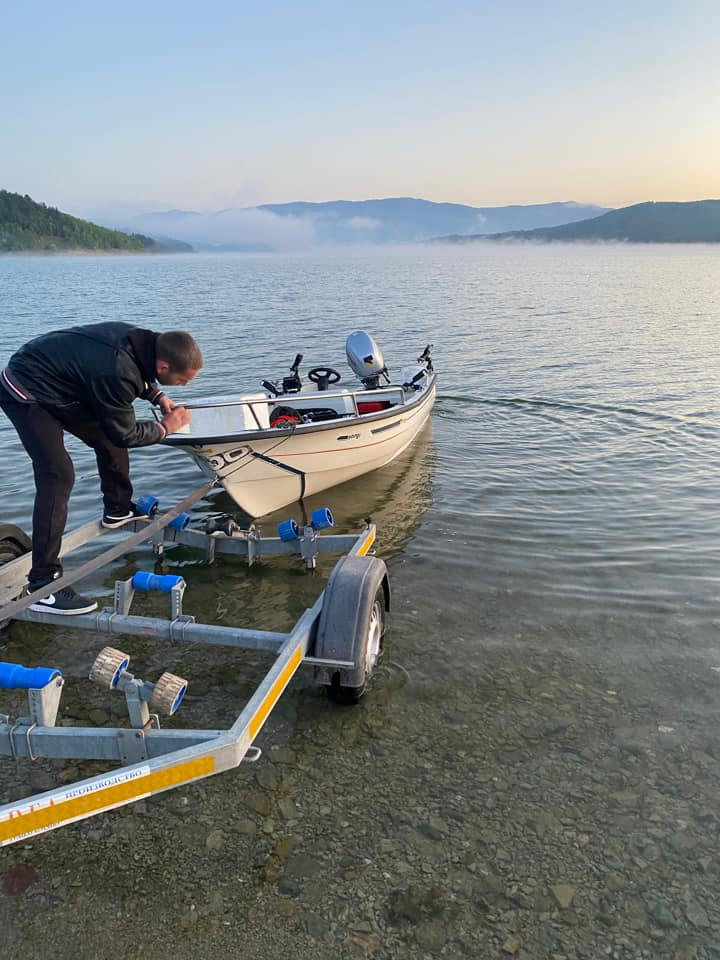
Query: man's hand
point(177, 417)
point(166, 405)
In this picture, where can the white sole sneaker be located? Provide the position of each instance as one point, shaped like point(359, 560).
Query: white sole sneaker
point(44, 608)
point(111, 522)
point(50, 605)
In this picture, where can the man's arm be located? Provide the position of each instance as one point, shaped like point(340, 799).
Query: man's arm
point(112, 400)
point(154, 394)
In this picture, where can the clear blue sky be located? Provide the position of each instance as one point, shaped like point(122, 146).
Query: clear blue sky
point(159, 104)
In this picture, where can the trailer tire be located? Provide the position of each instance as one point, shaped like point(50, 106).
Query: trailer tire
point(14, 543)
point(352, 626)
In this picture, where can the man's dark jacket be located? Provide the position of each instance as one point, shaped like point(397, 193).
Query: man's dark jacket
point(92, 373)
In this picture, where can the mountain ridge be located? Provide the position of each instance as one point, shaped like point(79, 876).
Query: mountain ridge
point(303, 224)
point(654, 221)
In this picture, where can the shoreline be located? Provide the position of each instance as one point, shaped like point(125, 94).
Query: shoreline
point(80, 252)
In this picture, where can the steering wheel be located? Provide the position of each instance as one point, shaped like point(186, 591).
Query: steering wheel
point(323, 376)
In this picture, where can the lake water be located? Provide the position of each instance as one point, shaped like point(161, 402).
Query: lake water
point(547, 713)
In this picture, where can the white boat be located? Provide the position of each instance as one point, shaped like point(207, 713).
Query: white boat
point(273, 448)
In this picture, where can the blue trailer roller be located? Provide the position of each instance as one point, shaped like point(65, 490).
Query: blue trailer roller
point(180, 522)
point(147, 505)
point(143, 580)
point(288, 530)
point(13, 676)
point(322, 518)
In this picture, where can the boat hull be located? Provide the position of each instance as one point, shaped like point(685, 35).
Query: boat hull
point(263, 472)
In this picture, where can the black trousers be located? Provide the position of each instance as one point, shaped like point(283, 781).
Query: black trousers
point(41, 431)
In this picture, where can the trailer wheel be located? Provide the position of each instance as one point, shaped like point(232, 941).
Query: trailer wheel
point(352, 626)
point(14, 543)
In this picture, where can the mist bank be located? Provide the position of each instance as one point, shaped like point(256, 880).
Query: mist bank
point(338, 226)
point(291, 227)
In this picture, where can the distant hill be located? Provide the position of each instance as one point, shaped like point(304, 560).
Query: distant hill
point(407, 219)
point(29, 226)
point(302, 226)
point(697, 221)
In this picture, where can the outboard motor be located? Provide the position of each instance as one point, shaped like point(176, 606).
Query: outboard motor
point(366, 359)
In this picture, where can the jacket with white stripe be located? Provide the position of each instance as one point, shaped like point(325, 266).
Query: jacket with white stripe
point(91, 373)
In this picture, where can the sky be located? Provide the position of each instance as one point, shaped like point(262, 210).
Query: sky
point(156, 105)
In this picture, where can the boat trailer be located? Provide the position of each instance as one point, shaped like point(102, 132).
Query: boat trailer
point(340, 637)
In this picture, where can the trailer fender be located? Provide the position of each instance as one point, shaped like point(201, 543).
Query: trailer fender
point(351, 625)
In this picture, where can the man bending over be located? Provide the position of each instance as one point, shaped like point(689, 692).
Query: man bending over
point(84, 380)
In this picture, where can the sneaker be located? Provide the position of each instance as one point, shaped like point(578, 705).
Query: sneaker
point(65, 602)
point(112, 518)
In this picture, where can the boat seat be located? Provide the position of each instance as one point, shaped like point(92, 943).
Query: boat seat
point(214, 416)
point(373, 406)
point(255, 415)
point(316, 414)
point(342, 405)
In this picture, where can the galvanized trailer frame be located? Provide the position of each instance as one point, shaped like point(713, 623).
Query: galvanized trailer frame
point(340, 636)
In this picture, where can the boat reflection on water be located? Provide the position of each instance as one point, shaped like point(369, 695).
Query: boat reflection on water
point(394, 497)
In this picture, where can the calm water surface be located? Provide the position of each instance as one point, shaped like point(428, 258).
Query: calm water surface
point(564, 498)
point(575, 439)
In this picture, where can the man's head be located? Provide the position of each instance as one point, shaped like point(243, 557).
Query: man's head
point(177, 358)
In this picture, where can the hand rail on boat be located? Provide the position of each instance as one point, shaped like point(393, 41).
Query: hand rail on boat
point(234, 400)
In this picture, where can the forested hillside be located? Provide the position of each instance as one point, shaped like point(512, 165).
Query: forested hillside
point(27, 225)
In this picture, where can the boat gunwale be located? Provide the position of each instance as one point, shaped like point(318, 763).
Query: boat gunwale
point(188, 441)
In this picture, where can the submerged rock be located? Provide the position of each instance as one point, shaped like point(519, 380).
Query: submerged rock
point(563, 894)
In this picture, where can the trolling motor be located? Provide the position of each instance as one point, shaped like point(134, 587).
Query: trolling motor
point(291, 384)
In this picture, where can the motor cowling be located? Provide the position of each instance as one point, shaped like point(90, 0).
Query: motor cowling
point(365, 358)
